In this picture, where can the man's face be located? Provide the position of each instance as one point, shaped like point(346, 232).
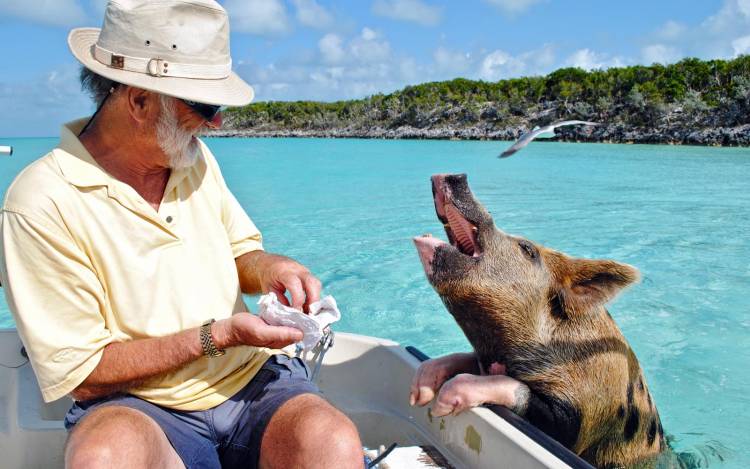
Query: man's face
point(176, 129)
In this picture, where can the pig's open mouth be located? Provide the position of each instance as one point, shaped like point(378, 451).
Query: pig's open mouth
point(462, 234)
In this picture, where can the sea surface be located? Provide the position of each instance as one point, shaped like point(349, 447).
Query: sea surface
point(349, 208)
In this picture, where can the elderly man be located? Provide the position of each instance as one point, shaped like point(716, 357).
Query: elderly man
point(124, 257)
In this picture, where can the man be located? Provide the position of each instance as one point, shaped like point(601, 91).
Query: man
point(123, 256)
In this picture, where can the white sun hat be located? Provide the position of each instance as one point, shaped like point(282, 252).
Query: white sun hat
point(178, 48)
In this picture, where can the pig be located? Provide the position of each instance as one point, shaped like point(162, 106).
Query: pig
point(544, 344)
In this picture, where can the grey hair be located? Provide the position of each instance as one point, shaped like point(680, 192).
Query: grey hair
point(96, 85)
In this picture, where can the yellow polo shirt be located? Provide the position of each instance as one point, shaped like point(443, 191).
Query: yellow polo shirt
point(86, 261)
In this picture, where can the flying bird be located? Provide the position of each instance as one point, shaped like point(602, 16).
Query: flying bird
point(548, 131)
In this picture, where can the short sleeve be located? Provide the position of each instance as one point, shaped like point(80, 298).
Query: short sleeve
point(243, 235)
point(56, 300)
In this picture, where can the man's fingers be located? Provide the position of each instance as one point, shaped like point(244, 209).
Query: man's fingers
point(312, 288)
point(281, 296)
point(281, 336)
point(294, 286)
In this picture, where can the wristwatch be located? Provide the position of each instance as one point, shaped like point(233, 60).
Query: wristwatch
point(207, 342)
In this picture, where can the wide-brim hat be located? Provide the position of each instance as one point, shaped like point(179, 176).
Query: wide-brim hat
point(178, 48)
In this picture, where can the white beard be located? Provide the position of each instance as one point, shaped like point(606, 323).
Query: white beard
point(180, 146)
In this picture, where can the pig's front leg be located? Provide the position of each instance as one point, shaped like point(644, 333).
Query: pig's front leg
point(432, 373)
point(555, 417)
point(467, 390)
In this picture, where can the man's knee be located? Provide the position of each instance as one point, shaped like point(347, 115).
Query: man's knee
point(115, 437)
point(328, 427)
point(318, 434)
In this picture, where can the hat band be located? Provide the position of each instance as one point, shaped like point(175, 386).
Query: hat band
point(161, 67)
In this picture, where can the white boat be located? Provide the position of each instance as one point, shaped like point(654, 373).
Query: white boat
point(6, 150)
point(366, 377)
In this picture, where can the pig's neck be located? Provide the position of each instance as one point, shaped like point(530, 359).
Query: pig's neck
point(495, 337)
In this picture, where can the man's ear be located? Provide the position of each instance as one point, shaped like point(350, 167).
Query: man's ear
point(585, 284)
point(143, 106)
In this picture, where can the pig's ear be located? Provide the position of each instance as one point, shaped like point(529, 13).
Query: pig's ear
point(587, 283)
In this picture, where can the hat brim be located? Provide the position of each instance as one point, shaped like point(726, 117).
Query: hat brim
point(230, 91)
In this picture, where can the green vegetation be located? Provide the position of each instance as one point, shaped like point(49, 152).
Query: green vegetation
point(691, 92)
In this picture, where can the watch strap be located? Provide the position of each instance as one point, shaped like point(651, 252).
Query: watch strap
point(207, 341)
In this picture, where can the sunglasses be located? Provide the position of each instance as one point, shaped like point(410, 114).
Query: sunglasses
point(207, 111)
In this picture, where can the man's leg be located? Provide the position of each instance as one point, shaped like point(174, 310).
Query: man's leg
point(306, 431)
point(119, 437)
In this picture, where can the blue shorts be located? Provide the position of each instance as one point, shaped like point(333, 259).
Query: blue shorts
point(228, 435)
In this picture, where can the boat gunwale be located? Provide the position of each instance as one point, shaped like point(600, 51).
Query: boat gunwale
point(522, 425)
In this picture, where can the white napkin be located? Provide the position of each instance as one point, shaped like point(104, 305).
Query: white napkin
point(322, 313)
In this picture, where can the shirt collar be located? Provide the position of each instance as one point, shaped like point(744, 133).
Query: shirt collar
point(81, 169)
point(76, 163)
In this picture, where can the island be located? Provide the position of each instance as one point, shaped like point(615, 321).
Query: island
point(698, 102)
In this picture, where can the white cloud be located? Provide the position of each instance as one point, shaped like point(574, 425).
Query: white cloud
point(367, 47)
point(331, 48)
point(717, 36)
point(38, 106)
point(415, 11)
point(513, 7)
point(54, 12)
point(672, 30)
point(368, 34)
point(499, 64)
point(410, 70)
point(310, 13)
point(734, 15)
point(492, 66)
point(540, 60)
point(454, 62)
point(741, 45)
point(590, 60)
point(660, 53)
point(258, 17)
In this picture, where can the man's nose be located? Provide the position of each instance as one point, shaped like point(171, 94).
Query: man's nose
point(215, 123)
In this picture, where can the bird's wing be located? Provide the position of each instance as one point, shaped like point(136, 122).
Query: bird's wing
point(522, 141)
point(508, 152)
point(573, 122)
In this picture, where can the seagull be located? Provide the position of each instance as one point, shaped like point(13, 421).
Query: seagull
point(548, 131)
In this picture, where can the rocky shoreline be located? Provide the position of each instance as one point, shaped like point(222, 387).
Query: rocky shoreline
point(616, 133)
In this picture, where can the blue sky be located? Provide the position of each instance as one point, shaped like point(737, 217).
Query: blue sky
point(337, 49)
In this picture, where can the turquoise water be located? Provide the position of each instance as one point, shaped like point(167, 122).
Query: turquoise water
point(348, 210)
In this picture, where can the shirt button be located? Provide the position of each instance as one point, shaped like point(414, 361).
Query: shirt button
point(169, 219)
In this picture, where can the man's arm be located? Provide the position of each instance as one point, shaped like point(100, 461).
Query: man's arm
point(127, 364)
point(124, 365)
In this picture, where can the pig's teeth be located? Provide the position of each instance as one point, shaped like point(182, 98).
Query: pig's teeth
point(427, 235)
point(460, 229)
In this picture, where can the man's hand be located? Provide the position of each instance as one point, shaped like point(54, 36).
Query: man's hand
point(248, 329)
point(432, 373)
point(266, 272)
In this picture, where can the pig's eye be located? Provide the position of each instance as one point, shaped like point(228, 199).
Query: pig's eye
point(528, 249)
